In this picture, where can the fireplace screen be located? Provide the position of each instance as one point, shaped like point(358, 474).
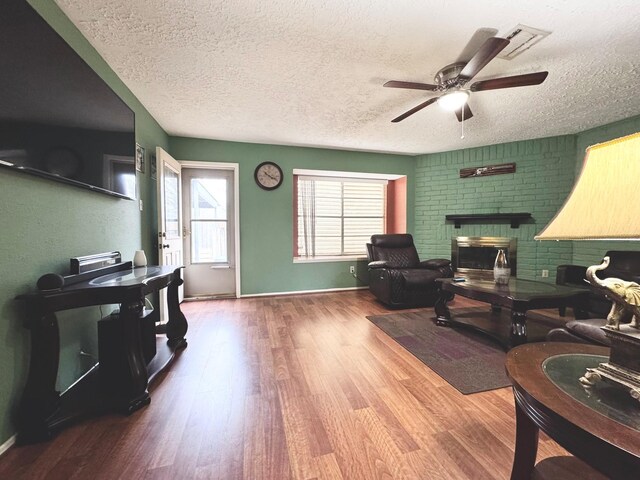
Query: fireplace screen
point(476, 255)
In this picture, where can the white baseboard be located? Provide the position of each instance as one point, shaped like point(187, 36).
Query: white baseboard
point(199, 298)
point(300, 292)
point(7, 445)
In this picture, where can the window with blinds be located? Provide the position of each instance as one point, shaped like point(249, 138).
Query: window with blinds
point(337, 216)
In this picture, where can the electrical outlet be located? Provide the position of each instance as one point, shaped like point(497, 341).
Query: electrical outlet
point(545, 273)
point(352, 269)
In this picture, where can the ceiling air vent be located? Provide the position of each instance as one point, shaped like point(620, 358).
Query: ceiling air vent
point(522, 38)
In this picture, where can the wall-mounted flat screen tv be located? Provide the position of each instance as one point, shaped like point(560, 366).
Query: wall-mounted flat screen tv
point(58, 118)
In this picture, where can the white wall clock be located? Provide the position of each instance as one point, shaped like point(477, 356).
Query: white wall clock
point(268, 176)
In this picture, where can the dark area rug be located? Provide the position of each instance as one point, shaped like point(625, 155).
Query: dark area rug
point(470, 361)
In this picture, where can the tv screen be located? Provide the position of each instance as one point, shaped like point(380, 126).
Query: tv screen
point(58, 118)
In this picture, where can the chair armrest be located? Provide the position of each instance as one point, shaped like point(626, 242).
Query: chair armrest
point(379, 264)
point(571, 274)
point(563, 335)
point(441, 265)
point(435, 263)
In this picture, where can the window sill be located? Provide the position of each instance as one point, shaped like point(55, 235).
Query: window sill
point(329, 259)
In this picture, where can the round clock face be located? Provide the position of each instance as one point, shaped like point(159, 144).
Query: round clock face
point(268, 175)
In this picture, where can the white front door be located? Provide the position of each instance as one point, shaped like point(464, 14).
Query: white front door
point(169, 217)
point(209, 228)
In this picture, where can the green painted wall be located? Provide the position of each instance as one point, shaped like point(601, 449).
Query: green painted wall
point(44, 223)
point(591, 252)
point(544, 176)
point(266, 218)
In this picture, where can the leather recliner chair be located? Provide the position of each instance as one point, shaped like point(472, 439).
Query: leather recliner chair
point(397, 277)
point(622, 264)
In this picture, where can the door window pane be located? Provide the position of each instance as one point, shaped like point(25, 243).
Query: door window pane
point(171, 214)
point(209, 199)
point(208, 241)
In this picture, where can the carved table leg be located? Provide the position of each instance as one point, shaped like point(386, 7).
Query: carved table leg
point(518, 334)
point(40, 399)
point(123, 371)
point(443, 315)
point(524, 458)
point(177, 324)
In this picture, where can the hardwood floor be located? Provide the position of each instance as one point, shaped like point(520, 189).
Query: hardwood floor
point(295, 387)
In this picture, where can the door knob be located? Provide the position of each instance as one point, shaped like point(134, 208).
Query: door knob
point(165, 246)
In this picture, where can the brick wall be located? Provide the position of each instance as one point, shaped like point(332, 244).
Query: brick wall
point(545, 172)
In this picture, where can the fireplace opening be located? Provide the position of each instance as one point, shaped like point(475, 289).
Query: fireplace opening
point(475, 256)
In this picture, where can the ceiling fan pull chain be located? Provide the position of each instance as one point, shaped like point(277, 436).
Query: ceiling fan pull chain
point(462, 125)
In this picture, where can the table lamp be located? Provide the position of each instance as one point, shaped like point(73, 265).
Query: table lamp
point(605, 205)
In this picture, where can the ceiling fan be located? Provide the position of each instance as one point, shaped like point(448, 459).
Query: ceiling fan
point(451, 81)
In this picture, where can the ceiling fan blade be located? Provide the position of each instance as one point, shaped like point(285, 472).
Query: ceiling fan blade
point(467, 113)
point(411, 85)
point(508, 82)
point(473, 45)
point(414, 110)
point(489, 49)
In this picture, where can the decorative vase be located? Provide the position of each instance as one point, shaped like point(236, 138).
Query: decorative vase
point(501, 270)
point(139, 259)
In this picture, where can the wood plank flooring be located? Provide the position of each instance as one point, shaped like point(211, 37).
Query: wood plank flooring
point(295, 387)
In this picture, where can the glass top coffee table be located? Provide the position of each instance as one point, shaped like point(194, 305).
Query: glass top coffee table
point(599, 425)
point(519, 296)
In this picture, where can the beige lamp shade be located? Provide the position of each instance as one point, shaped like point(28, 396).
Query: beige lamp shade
point(605, 201)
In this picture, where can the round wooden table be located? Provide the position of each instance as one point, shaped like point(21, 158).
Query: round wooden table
point(600, 426)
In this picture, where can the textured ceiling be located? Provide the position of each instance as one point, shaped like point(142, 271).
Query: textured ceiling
point(310, 72)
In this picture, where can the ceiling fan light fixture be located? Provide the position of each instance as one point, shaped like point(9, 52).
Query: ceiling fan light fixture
point(453, 101)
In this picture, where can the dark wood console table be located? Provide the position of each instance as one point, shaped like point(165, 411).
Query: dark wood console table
point(130, 354)
point(518, 295)
point(599, 426)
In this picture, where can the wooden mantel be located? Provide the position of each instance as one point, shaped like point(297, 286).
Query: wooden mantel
point(514, 218)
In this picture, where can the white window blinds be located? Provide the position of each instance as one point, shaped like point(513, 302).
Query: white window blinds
point(337, 216)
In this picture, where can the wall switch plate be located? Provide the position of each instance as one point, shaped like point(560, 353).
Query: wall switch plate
point(352, 269)
point(141, 207)
point(545, 273)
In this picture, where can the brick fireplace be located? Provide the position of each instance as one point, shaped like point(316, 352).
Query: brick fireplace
point(474, 256)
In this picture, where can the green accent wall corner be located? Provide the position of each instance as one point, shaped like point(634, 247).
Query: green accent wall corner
point(266, 217)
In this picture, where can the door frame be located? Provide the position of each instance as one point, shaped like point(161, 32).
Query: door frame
point(235, 168)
